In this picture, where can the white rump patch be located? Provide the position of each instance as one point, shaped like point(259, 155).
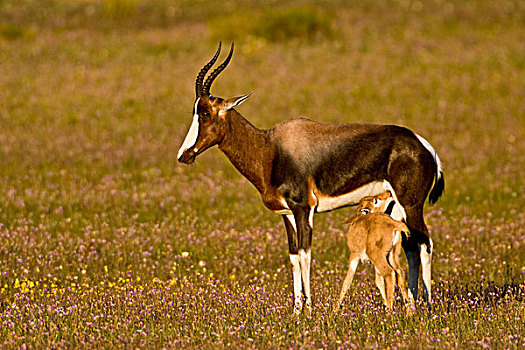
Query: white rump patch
point(193, 133)
point(432, 151)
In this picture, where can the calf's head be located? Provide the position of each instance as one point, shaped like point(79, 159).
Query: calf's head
point(374, 204)
point(371, 204)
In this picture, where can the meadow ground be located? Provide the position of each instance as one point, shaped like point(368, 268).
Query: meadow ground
point(105, 241)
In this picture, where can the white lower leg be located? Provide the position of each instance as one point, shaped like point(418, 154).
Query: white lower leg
point(426, 267)
point(297, 286)
point(305, 258)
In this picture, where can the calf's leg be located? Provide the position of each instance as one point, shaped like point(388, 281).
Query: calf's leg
point(352, 266)
point(384, 268)
point(380, 283)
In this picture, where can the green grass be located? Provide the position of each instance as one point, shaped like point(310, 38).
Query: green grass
point(105, 241)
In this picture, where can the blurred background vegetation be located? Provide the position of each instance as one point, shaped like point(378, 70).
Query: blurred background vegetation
point(96, 98)
point(452, 70)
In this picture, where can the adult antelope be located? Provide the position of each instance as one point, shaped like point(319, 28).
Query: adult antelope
point(301, 167)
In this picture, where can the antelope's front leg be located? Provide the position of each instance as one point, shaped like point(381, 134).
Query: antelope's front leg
point(293, 246)
point(304, 219)
point(305, 258)
point(299, 230)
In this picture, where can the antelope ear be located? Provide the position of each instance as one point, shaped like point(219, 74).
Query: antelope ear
point(232, 102)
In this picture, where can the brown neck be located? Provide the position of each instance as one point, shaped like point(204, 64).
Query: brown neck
point(249, 149)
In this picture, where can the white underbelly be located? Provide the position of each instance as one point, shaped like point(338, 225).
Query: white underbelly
point(352, 198)
point(326, 203)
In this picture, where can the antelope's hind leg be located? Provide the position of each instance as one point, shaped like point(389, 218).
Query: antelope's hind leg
point(400, 276)
point(417, 255)
point(416, 181)
point(426, 271)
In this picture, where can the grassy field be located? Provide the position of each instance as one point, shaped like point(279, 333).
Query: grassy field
point(106, 241)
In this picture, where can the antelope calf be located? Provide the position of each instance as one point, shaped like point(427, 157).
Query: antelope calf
point(375, 237)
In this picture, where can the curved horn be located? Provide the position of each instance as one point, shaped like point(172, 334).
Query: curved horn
point(215, 73)
point(204, 70)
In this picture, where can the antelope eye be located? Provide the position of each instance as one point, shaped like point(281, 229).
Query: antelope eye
point(206, 114)
point(365, 211)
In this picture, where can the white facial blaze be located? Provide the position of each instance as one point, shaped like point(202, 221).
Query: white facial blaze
point(193, 133)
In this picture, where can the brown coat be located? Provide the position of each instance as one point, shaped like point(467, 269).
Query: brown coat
point(376, 237)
